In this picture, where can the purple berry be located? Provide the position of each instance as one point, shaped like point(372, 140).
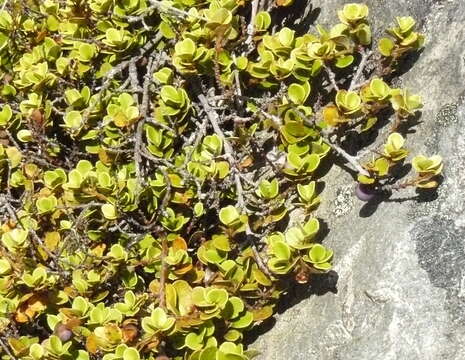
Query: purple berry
point(364, 192)
point(63, 332)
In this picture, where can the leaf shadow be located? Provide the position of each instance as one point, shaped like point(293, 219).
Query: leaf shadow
point(300, 16)
point(422, 196)
point(319, 284)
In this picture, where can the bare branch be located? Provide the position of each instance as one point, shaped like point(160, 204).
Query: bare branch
point(332, 78)
point(366, 54)
point(5, 347)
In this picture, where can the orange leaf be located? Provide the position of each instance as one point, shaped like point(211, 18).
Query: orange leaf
point(73, 323)
point(183, 270)
point(19, 349)
point(29, 309)
point(130, 332)
point(104, 157)
point(262, 313)
point(99, 249)
point(92, 343)
point(331, 116)
point(246, 162)
point(179, 244)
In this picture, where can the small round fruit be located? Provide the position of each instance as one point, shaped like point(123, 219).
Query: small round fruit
point(364, 192)
point(63, 332)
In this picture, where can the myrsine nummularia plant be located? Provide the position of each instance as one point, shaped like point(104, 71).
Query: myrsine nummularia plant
point(154, 155)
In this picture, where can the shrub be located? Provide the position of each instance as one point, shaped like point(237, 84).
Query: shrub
point(153, 154)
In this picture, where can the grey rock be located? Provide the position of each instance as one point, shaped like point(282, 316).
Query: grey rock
point(401, 264)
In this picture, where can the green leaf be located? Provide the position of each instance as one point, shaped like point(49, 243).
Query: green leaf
point(267, 189)
point(5, 115)
point(14, 155)
point(382, 166)
point(24, 135)
point(317, 253)
point(116, 250)
point(379, 89)
point(109, 211)
point(217, 17)
point(73, 119)
point(298, 93)
point(131, 354)
point(363, 179)
point(198, 209)
point(84, 167)
point(166, 30)
point(86, 52)
point(46, 204)
point(406, 23)
point(262, 21)
point(243, 321)
point(424, 165)
point(385, 46)
point(311, 162)
point(55, 344)
point(241, 62)
point(311, 227)
point(344, 61)
point(363, 33)
point(370, 122)
point(5, 267)
point(36, 351)
point(306, 192)
point(349, 102)
point(221, 242)
point(229, 215)
point(281, 250)
point(75, 179)
point(395, 141)
point(286, 36)
point(164, 75)
point(185, 49)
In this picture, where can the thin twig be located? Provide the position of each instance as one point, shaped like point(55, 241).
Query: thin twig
point(163, 272)
point(353, 160)
point(213, 117)
point(109, 77)
point(258, 259)
point(240, 197)
point(251, 26)
point(164, 7)
point(365, 56)
point(5, 348)
point(140, 125)
point(332, 77)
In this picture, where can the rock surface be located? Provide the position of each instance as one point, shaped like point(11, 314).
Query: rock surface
point(401, 264)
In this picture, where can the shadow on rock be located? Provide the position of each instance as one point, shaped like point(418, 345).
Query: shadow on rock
point(406, 63)
point(423, 196)
point(291, 16)
point(319, 284)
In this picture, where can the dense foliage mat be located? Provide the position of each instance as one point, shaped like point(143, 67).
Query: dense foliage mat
point(159, 167)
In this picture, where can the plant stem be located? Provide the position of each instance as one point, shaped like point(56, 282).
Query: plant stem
point(258, 259)
point(7, 351)
point(352, 160)
point(332, 77)
point(163, 272)
point(365, 56)
point(251, 26)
